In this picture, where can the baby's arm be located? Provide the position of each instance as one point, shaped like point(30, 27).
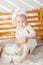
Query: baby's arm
point(30, 31)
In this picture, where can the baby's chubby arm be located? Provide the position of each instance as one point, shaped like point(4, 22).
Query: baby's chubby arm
point(31, 32)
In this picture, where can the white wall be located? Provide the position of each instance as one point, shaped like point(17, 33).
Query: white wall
point(10, 5)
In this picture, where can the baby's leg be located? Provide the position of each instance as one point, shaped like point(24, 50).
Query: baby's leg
point(32, 44)
point(5, 59)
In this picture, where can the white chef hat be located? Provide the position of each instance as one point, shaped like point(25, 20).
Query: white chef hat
point(17, 12)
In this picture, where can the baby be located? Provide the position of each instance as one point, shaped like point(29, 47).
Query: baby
point(23, 44)
point(23, 34)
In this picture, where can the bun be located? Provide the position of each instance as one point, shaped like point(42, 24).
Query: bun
point(22, 41)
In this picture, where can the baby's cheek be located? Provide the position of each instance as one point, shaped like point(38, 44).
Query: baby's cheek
point(23, 24)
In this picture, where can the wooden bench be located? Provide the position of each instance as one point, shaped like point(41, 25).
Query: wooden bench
point(37, 24)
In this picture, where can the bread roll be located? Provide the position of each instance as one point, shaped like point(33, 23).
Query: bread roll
point(22, 41)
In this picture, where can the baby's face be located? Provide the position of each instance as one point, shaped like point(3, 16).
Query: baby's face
point(21, 20)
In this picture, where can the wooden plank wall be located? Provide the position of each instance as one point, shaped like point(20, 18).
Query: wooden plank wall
point(8, 29)
point(36, 18)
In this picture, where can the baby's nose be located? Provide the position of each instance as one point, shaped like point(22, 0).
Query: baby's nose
point(21, 24)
